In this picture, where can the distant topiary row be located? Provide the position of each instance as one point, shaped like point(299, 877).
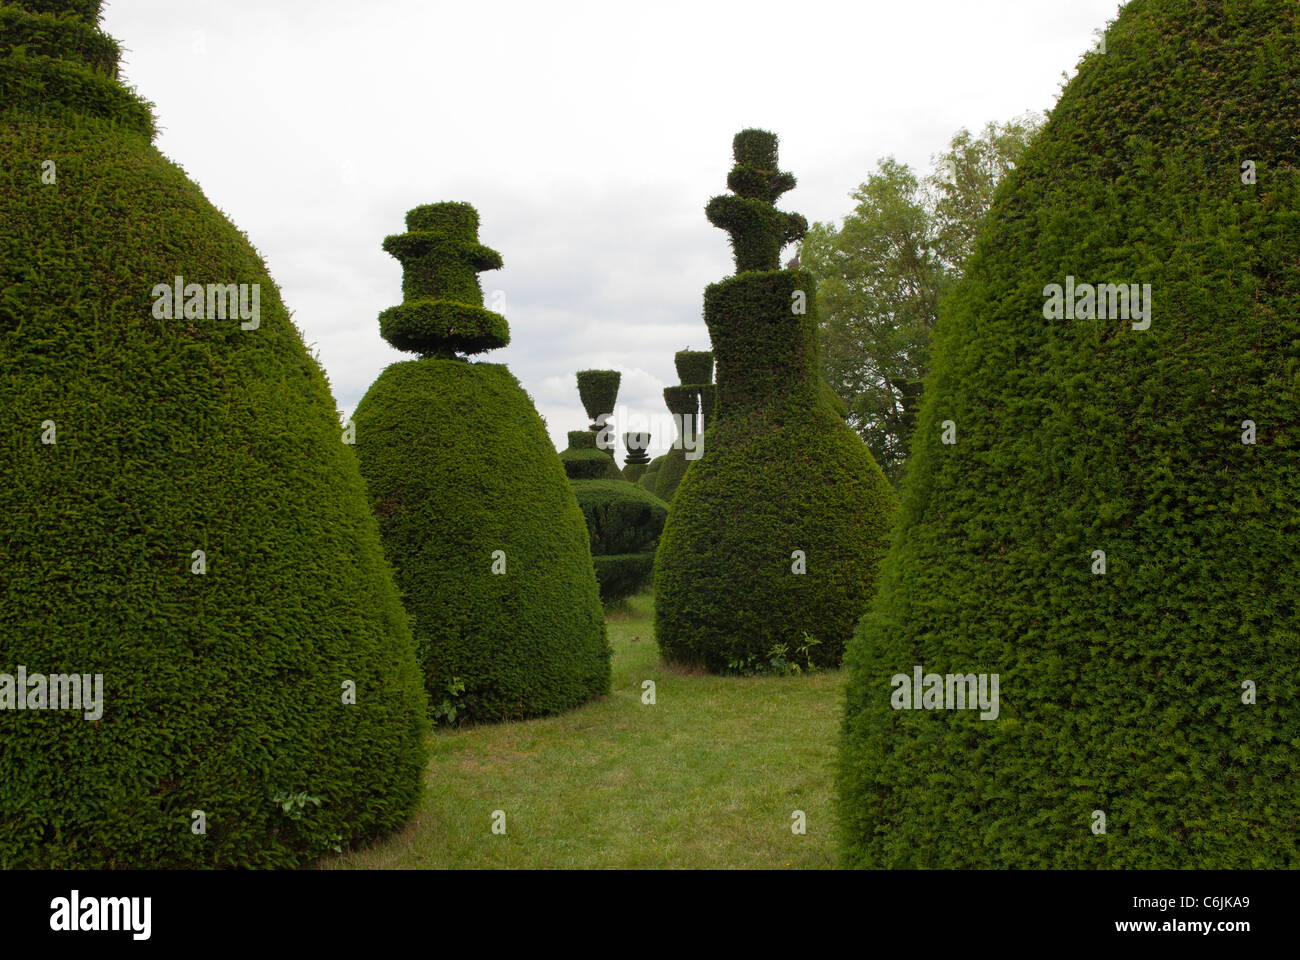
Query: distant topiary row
point(623, 520)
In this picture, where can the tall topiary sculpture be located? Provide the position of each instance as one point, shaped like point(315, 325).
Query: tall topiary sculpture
point(1100, 510)
point(486, 538)
point(197, 625)
point(775, 533)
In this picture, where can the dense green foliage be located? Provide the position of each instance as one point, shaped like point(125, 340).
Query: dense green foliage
point(758, 230)
point(55, 61)
point(441, 313)
point(880, 277)
point(451, 489)
point(598, 390)
point(775, 533)
point(222, 691)
point(708, 403)
point(589, 464)
point(649, 479)
point(1129, 691)
point(486, 538)
point(621, 517)
point(624, 523)
point(683, 402)
point(694, 367)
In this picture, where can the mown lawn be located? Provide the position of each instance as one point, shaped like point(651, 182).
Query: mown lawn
point(707, 777)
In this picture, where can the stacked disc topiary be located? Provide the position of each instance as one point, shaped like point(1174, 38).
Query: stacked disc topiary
point(486, 538)
point(193, 586)
point(1100, 509)
point(636, 461)
point(623, 520)
point(771, 548)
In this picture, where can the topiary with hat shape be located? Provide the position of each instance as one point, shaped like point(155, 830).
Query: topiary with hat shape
point(485, 535)
point(181, 516)
point(775, 533)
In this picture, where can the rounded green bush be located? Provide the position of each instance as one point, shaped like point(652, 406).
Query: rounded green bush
point(487, 542)
point(1125, 691)
point(649, 479)
point(132, 441)
point(783, 484)
point(590, 464)
point(582, 440)
point(621, 517)
point(623, 575)
point(459, 327)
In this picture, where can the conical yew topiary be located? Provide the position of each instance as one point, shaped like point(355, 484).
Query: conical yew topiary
point(1101, 505)
point(775, 532)
point(203, 659)
point(486, 538)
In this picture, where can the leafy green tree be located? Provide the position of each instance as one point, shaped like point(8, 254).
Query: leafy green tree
point(880, 276)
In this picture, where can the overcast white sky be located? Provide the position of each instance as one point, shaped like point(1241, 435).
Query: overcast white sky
point(589, 135)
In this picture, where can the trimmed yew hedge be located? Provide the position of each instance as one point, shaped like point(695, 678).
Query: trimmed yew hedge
point(694, 367)
point(223, 691)
point(1120, 692)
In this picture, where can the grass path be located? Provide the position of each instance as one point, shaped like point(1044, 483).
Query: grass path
point(707, 777)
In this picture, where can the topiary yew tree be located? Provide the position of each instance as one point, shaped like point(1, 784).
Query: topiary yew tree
point(486, 538)
point(1103, 512)
point(180, 514)
point(637, 460)
point(694, 367)
point(584, 459)
point(598, 390)
point(683, 403)
point(775, 533)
